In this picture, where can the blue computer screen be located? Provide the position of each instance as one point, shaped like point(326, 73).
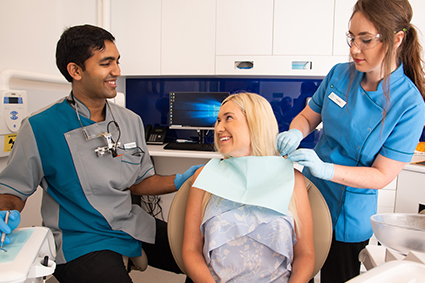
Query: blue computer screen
point(150, 98)
point(194, 109)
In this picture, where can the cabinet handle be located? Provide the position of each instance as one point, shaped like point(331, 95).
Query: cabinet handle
point(302, 65)
point(244, 64)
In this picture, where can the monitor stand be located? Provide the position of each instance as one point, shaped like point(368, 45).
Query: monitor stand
point(202, 134)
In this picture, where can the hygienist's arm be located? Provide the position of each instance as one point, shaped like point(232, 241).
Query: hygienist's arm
point(193, 240)
point(154, 185)
point(306, 121)
point(11, 202)
point(304, 255)
point(382, 172)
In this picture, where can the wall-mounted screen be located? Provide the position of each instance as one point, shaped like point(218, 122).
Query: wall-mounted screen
point(150, 98)
point(194, 110)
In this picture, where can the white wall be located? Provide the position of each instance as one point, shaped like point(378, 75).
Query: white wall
point(29, 32)
point(30, 29)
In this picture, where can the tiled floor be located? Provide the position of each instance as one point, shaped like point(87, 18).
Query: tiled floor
point(149, 275)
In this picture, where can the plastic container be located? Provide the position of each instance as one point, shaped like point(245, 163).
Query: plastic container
point(403, 232)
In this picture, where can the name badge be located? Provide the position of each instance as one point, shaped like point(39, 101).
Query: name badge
point(338, 100)
point(130, 145)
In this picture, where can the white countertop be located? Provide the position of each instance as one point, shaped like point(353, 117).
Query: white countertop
point(159, 151)
point(412, 166)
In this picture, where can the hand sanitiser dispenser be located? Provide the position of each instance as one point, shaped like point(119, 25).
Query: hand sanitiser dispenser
point(14, 107)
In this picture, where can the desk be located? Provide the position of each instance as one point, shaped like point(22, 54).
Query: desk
point(169, 162)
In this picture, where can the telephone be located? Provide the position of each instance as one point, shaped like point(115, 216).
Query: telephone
point(155, 135)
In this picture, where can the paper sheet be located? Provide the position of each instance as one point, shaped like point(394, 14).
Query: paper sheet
point(18, 241)
point(266, 181)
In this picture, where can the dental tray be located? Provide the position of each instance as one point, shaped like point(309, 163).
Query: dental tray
point(24, 260)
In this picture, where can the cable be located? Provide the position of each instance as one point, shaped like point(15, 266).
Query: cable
point(152, 206)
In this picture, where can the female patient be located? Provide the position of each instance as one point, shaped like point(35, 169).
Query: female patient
point(246, 221)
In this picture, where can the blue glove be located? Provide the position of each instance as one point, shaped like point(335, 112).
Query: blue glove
point(14, 220)
point(309, 158)
point(288, 141)
point(180, 179)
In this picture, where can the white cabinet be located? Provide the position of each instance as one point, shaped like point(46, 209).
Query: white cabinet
point(136, 26)
point(275, 38)
point(418, 20)
point(386, 197)
point(343, 11)
point(168, 37)
point(278, 65)
point(188, 37)
point(410, 189)
point(303, 27)
point(210, 37)
point(244, 27)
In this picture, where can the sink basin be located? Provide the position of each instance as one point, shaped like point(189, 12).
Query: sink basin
point(403, 232)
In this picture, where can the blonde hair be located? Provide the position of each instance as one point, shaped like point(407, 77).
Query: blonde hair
point(262, 124)
point(263, 129)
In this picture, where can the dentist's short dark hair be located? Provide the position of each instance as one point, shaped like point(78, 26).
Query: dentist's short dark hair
point(77, 45)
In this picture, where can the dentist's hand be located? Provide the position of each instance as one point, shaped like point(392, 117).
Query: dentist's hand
point(14, 220)
point(181, 178)
point(288, 141)
point(309, 158)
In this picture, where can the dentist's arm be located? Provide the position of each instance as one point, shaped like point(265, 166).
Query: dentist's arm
point(11, 202)
point(14, 205)
point(158, 185)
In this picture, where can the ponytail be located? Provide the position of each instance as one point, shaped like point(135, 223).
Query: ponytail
point(410, 54)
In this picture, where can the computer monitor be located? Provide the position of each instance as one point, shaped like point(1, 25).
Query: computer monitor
point(195, 110)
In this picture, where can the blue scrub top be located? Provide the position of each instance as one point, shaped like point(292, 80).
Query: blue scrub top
point(355, 132)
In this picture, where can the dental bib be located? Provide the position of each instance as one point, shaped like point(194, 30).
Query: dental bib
point(265, 181)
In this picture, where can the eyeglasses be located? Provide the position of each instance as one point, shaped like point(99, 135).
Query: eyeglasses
point(363, 42)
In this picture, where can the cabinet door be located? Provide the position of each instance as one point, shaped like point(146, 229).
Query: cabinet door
point(343, 11)
point(418, 7)
point(136, 25)
point(386, 197)
point(188, 37)
point(303, 27)
point(244, 27)
point(410, 192)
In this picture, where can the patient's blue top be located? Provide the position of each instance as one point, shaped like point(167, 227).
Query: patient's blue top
point(248, 230)
point(355, 133)
point(246, 243)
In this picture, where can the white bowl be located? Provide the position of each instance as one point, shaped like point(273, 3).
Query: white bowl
point(402, 232)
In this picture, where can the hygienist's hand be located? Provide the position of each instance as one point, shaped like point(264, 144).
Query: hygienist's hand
point(14, 220)
point(181, 178)
point(288, 141)
point(309, 158)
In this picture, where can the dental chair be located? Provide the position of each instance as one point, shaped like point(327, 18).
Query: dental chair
point(322, 224)
point(139, 263)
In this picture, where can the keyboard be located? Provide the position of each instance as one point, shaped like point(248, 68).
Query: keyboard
point(190, 146)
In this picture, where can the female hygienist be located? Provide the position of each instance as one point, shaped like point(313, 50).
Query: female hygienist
point(373, 114)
